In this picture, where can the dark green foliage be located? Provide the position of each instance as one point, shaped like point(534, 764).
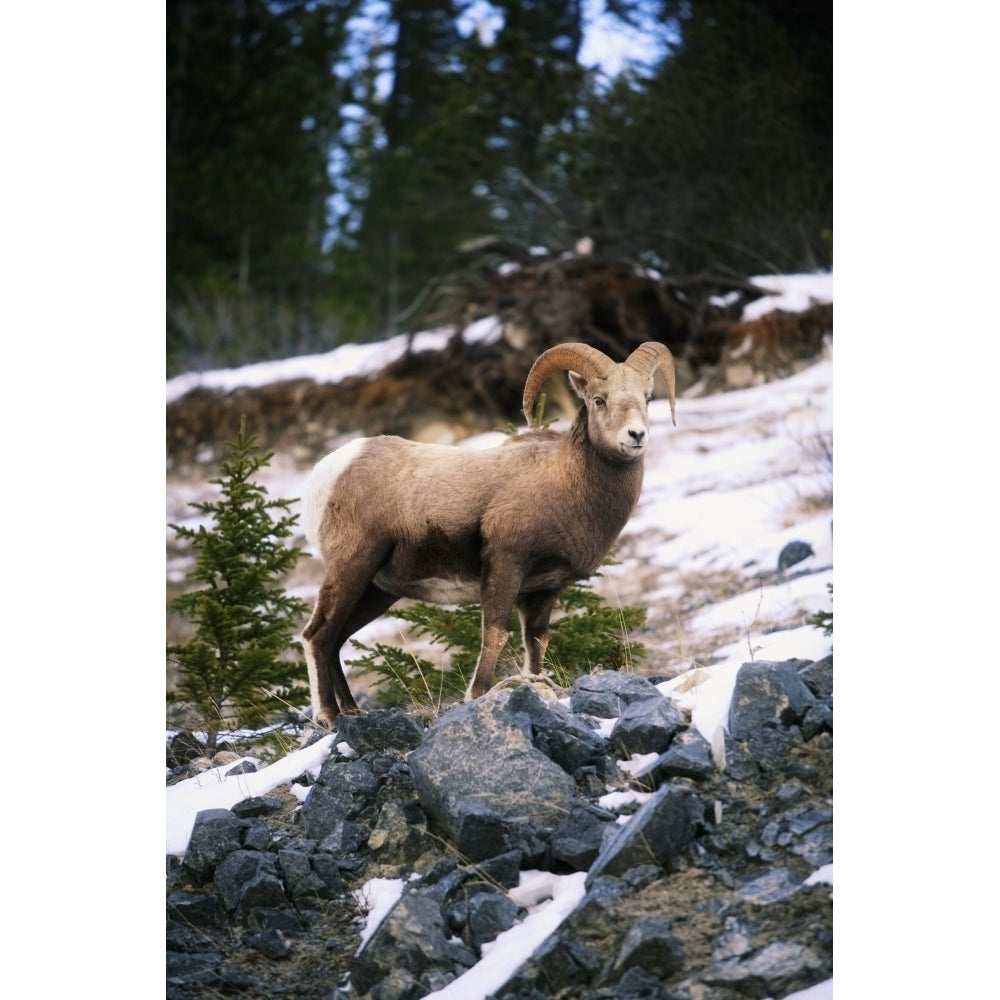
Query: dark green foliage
point(587, 634)
point(323, 169)
point(592, 635)
point(241, 661)
point(722, 155)
point(823, 619)
point(252, 111)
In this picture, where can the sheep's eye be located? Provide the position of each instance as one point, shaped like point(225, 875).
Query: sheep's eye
point(599, 402)
point(649, 396)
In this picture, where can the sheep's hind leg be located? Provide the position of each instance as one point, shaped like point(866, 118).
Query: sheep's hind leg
point(322, 673)
point(332, 623)
point(373, 603)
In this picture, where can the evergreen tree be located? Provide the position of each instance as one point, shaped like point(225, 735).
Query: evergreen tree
point(722, 155)
point(240, 660)
point(533, 90)
point(252, 112)
point(456, 149)
point(414, 160)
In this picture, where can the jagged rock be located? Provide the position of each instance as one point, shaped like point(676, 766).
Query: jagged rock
point(304, 886)
point(657, 834)
point(413, 936)
point(345, 838)
point(243, 767)
point(689, 756)
point(479, 776)
point(638, 984)
point(578, 839)
point(215, 833)
point(257, 806)
point(256, 835)
point(235, 871)
point(731, 848)
point(567, 962)
point(327, 868)
point(556, 732)
point(771, 744)
point(184, 748)
point(775, 970)
point(400, 835)
point(196, 909)
point(193, 970)
point(818, 718)
point(740, 764)
point(262, 918)
point(765, 691)
point(490, 914)
point(265, 889)
point(650, 943)
point(380, 729)
point(818, 676)
point(271, 943)
point(605, 694)
point(343, 791)
point(503, 870)
point(647, 726)
point(771, 886)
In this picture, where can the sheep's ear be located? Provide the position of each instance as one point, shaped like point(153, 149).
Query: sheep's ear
point(578, 382)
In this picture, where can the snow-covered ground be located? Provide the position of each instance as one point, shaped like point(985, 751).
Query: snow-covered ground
point(742, 474)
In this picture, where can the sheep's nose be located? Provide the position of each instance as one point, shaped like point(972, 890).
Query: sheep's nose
point(637, 434)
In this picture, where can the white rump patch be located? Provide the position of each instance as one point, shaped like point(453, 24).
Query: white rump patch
point(324, 475)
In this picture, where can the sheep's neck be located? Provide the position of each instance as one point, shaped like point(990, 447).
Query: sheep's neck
point(615, 484)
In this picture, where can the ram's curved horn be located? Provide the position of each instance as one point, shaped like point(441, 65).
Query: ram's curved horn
point(581, 358)
point(652, 357)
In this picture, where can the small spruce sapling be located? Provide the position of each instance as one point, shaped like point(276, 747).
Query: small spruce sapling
point(824, 619)
point(242, 659)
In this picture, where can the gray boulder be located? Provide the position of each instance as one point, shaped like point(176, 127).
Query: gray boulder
point(344, 790)
point(657, 834)
point(412, 938)
point(556, 732)
point(605, 694)
point(216, 833)
point(380, 729)
point(651, 944)
point(479, 776)
point(766, 692)
point(647, 726)
point(818, 676)
point(578, 839)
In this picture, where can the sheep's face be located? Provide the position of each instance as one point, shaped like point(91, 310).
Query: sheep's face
point(617, 411)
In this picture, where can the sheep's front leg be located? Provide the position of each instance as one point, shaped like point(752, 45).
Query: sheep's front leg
point(536, 612)
point(494, 638)
point(499, 591)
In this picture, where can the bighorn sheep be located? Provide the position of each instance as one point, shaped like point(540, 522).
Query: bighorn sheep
point(505, 525)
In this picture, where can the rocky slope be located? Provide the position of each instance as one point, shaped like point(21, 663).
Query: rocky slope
point(707, 883)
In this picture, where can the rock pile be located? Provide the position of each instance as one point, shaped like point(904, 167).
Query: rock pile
point(701, 886)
